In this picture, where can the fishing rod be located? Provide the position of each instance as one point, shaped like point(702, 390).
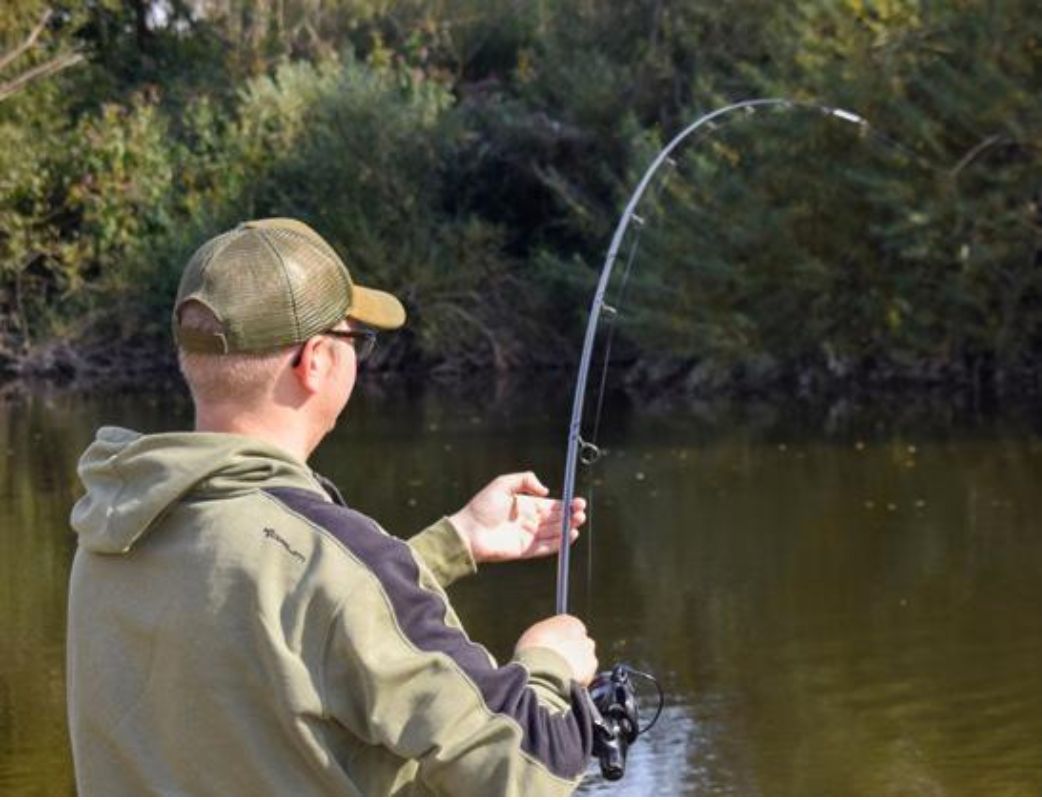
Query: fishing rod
point(614, 699)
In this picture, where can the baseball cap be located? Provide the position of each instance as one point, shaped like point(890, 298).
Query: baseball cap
point(273, 283)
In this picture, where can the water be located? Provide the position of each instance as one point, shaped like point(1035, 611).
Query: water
point(844, 604)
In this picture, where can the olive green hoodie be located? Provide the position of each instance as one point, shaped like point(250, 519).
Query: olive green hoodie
point(235, 629)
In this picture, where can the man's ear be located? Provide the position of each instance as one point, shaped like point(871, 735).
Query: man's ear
point(313, 364)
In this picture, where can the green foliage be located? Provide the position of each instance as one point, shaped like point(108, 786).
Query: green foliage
point(475, 155)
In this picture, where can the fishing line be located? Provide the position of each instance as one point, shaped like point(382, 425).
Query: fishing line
point(587, 451)
point(661, 697)
point(590, 452)
point(593, 450)
point(612, 696)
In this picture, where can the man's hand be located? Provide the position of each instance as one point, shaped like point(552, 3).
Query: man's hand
point(512, 518)
point(566, 636)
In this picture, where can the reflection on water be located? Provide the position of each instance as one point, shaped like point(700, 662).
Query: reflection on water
point(863, 615)
point(834, 605)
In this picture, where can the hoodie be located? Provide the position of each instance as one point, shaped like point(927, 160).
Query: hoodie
point(235, 629)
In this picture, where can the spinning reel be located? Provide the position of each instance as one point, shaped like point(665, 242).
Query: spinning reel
point(616, 718)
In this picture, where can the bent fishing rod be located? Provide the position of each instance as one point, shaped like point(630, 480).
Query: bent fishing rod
point(614, 700)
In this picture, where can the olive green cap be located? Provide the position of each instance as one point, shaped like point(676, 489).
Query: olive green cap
point(273, 283)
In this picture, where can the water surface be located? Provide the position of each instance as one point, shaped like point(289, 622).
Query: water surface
point(835, 603)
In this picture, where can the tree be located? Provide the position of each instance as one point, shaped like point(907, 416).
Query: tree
point(20, 58)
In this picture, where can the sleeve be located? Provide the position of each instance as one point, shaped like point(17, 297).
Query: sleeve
point(443, 551)
point(400, 672)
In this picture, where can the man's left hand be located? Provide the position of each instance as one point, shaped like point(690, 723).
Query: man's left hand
point(512, 518)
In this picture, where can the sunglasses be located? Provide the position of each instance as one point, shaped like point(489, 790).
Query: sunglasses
point(364, 342)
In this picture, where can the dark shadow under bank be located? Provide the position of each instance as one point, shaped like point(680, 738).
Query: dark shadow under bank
point(976, 384)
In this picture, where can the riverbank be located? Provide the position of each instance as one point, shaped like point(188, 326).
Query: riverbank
point(481, 178)
point(149, 362)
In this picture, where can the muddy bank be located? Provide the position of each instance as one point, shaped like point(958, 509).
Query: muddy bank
point(61, 363)
point(148, 363)
point(972, 381)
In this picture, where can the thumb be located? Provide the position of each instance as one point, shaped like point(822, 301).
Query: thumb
point(524, 483)
point(532, 484)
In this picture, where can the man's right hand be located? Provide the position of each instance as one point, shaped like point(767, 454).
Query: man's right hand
point(566, 636)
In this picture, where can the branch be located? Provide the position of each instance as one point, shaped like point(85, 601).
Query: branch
point(54, 65)
point(499, 357)
point(975, 151)
point(30, 40)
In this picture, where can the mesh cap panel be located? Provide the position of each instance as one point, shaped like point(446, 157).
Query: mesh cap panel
point(270, 284)
point(317, 281)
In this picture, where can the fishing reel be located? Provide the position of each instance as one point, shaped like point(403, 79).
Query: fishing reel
point(616, 721)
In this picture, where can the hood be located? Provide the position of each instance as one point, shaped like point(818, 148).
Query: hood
point(132, 479)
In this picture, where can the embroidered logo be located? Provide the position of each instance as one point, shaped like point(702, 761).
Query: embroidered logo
point(269, 533)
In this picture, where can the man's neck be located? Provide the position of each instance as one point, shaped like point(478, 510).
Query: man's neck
point(268, 427)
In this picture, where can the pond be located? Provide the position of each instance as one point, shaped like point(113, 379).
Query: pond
point(836, 601)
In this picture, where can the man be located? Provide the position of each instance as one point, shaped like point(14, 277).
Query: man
point(235, 628)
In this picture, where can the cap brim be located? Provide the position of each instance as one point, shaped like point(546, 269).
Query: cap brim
point(376, 309)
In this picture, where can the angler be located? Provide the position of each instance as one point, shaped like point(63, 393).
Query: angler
point(236, 629)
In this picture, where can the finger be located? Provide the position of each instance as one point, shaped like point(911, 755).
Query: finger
point(574, 622)
point(548, 545)
point(550, 511)
point(526, 483)
point(551, 525)
point(542, 508)
point(540, 549)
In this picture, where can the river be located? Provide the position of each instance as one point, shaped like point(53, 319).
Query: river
point(836, 601)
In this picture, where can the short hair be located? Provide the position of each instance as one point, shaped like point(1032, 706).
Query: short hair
point(245, 378)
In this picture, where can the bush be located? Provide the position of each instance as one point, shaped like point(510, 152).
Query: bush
point(475, 157)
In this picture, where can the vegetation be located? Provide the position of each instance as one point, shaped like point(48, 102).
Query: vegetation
point(475, 154)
